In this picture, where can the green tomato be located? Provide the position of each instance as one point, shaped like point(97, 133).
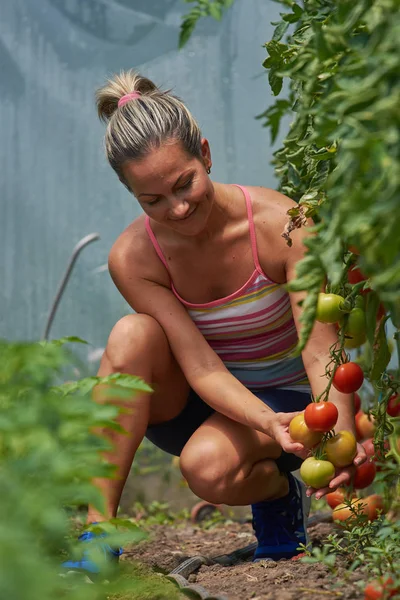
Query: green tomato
point(317, 473)
point(354, 342)
point(360, 302)
point(356, 324)
point(354, 328)
point(328, 308)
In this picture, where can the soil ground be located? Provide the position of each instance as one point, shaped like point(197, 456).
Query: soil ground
point(169, 545)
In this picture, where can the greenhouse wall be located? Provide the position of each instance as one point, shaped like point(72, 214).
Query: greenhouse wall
point(56, 186)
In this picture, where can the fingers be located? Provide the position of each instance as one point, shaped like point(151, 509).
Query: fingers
point(341, 479)
point(361, 455)
point(285, 418)
point(318, 493)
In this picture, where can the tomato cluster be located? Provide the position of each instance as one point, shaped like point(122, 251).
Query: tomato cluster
point(309, 429)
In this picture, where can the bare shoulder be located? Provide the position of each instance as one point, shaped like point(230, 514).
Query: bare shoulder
point(270, 211)
point(270, 205)
point(133, 256)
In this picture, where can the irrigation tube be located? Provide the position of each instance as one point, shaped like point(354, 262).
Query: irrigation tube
point(92, 237)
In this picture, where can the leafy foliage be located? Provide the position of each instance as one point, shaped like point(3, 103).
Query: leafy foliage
point(340, 160)
point(370, 546)
point(49, 455)
point(203, 8)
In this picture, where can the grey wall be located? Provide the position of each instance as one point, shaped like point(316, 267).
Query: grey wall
point(55, 184)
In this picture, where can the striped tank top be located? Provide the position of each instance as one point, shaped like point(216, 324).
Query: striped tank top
point(251, 330)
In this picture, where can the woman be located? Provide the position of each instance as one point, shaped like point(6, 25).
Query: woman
point(214, 329)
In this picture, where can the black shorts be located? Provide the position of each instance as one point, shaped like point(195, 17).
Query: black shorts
point(171, 436)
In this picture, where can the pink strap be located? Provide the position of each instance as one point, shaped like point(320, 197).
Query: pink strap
point(253, 239)
point(252, 229)
point(155, 243)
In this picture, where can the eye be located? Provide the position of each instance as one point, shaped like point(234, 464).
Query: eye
point(187, 184)
point(152, 202)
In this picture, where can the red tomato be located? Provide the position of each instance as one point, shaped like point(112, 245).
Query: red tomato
point(365, 425)
point(299, 432)
point(341, 449)
point(357, 403)
point(348, 378)
point(380, 588)
point(337, 497)
point(321, 416)
point(354, 275)
point(364, 475)
point(393, 407)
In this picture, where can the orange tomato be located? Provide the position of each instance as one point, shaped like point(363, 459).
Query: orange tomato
point(344, 514)
point(365, 425)
point(337, 497)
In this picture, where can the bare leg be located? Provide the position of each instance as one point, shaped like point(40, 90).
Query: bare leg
point(137, 345)
point(225, 462)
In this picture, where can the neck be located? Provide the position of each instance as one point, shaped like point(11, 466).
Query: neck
point(219, 215)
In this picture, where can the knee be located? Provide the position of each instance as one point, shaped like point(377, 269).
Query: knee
point(133, 336)
point(208, 471)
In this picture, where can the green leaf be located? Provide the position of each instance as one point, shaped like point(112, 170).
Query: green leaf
point(280, 30)
point(275, 82)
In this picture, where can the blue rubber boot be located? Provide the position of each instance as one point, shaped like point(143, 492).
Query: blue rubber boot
point(86, 564)
point(280, 526)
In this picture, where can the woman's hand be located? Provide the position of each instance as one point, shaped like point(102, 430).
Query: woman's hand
point(279, 430)
point(342, 475)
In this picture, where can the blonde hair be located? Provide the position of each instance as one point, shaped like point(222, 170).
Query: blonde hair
point(145, 123)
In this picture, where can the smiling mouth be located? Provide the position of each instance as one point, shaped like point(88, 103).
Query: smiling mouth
point(188, 216)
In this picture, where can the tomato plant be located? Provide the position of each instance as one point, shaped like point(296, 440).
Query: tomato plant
point(317, 473)
point(348, 378)
point(393, 407)
point(321, 416)
point(299, 432)
point(341, 449)
point(364, 475)
point(328, 308)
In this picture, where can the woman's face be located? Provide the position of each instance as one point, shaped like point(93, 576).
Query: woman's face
point(172, 187)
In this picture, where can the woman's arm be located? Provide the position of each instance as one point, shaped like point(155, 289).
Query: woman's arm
point(144, 283)
point(316, 357)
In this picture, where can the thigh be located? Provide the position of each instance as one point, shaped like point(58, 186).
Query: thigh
point(172, 435)
point(241, 446)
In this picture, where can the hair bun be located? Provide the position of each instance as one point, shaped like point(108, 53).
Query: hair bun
point(127, 82)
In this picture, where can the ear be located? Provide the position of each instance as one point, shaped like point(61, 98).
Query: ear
point(206, 153)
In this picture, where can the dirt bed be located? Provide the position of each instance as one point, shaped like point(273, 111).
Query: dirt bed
point(169, 546)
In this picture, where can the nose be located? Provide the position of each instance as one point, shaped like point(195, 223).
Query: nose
point(179, 209)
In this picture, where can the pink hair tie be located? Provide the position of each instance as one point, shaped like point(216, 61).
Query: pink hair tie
point(131, 96)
